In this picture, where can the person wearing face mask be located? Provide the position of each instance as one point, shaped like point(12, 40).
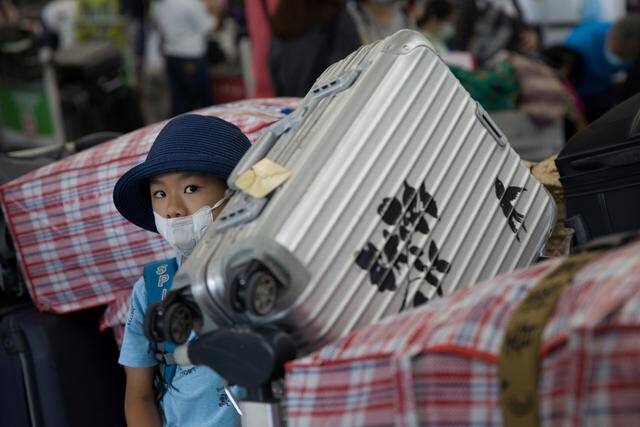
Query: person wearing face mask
point(438, 23)
point(184, 27)
point(606, 50)
point(377, 19)
point(176, 192)
point(307, 37)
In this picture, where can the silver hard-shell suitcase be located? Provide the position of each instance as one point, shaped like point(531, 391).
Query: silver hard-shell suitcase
point(402, 189)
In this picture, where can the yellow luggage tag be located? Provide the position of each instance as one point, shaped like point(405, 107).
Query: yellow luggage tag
point(263, 178)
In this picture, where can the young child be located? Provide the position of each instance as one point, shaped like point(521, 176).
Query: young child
point(177, 191)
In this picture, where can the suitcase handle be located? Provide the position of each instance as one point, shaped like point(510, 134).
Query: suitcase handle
point(490, 125)
point(608, 160)
point(259, 150)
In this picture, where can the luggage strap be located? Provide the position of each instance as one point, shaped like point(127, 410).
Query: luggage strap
point(158, 278)
point(518, 364)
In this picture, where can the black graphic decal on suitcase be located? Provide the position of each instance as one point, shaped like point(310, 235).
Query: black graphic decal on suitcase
point(507, 198)
point(406, 216)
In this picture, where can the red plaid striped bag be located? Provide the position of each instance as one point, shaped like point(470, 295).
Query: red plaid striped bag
point(74, 248)
point(437, 365)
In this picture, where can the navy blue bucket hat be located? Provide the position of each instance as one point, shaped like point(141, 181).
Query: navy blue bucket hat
point(187, 143)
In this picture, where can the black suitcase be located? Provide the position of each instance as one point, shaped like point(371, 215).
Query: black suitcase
point(19, 55)
point(600, 172)
point(58, 371)
point(88, 62)
point(94, 94)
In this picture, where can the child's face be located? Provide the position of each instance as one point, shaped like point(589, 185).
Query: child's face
point(178, 194)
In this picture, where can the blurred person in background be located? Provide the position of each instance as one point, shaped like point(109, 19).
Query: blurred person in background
point(377, 19)
point(307, 37)
point(415, 9)
point(136, 11)
point(8, 13)
point(258, 13)
point(606, 49)
point(485, 27)
point(438, 23)
point(567, 63)
point(184, 27)
point(58, 18)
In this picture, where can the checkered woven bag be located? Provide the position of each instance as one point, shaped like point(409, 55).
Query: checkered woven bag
point(437, 365)
point(74, 248)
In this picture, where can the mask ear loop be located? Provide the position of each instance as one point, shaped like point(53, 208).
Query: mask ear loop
point(227, 195)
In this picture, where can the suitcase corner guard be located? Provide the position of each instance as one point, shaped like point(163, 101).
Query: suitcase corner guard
point(404, 41)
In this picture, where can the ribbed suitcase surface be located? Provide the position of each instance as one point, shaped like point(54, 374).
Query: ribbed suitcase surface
point(402, 189)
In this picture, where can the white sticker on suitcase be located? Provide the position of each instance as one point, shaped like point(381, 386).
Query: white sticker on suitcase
point(263, 178)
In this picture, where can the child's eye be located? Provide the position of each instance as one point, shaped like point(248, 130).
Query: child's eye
point(159, 194)
point(191, 189)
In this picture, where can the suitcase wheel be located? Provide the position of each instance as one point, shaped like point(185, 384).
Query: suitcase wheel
point(153, 322)
point(178, 323)
point(258, 293)
point(172, 320)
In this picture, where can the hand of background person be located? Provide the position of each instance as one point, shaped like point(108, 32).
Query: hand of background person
point(216, 7)
point(529, 41)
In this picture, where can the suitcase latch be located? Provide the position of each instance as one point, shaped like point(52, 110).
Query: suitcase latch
point(337, 85)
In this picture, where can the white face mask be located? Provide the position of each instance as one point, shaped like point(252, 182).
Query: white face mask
point(183, 233)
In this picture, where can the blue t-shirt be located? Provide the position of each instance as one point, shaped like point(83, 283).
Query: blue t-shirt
point(197, 396)
point(590, 41)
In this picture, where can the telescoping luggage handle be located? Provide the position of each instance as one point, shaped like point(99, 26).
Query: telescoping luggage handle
point(258, 150)
point(624, 157)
